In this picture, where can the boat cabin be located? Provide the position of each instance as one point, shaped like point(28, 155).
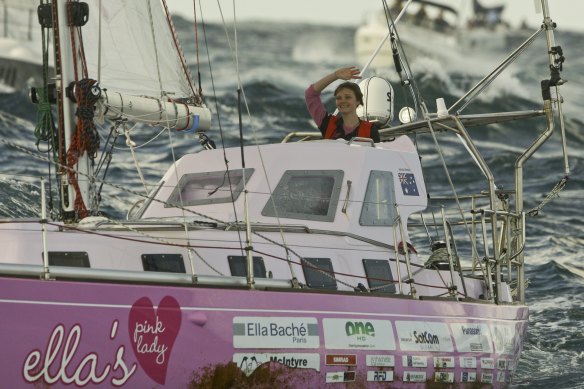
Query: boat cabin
point(320, 184)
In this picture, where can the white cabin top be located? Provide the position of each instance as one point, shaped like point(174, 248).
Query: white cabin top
point(330, 185)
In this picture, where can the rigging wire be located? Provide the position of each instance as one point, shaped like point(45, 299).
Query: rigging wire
point(401, 62)
point(218, 114)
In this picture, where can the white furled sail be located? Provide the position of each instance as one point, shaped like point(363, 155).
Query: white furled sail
point(134, 52)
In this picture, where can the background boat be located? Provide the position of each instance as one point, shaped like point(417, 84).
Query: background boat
point(20, 44)
point(459, 29)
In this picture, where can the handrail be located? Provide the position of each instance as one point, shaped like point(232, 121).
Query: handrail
point(88, 274)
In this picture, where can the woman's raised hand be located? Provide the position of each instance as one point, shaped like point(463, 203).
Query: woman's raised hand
point(348, 73)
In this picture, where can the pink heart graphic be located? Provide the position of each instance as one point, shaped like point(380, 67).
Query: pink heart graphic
point(152, 333)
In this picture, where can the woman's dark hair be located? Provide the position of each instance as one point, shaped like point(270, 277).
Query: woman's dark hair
point(352, 86)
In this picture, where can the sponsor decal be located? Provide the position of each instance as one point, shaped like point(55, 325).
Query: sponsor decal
point(152, 334)
point(424, 336)
point(341, 359)
point(444, 376)
point(487, 363)
point(468, 376)
point(358, 334)
point(248, 362)
point(487, 378)
point(501, 376)
point(505, 339)
point(275, 332)
point(380, 360)
point(414, 361)
point(502, 364)
point(340, 376)
point(414, 376)
point(380, 375)
point(468, 362)
point(55, 365)
point(444, 362)
point(471, 337)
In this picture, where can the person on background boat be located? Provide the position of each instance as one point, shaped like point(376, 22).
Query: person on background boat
point(421, 17)
point(440, 24)
point(346, 124)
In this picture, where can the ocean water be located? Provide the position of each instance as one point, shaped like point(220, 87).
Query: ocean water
point(276, 62)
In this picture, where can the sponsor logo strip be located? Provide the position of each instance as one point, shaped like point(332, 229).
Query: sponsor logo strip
point(487, 363)
point(414, 376)
point(414, 361)
point(468, 376)
point(380, 376)
point(340, 376)
point(444, 362)
point(341, 359)
point(358, 334)
point(487, 378)
point(468, 362)
point(380, 360)
point(444, 376)
point(472, 337)
point(248, 362)
point(275, 332)
point(424, 336)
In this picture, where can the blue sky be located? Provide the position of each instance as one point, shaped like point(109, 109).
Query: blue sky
point(567, 13)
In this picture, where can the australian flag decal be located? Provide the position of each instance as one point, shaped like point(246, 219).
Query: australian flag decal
point(408, 184)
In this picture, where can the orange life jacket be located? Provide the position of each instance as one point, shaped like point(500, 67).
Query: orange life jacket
point(363, 131)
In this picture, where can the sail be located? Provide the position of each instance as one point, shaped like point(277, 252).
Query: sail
point(130, 48)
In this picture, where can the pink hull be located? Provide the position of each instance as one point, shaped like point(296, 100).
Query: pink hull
point(69, 334)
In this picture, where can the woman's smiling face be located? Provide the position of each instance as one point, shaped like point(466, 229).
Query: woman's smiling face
point(346, 101)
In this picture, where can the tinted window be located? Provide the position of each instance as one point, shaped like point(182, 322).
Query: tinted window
point(168, 263)
point(209, 187)
point(68, 258)
point(319, 279)
point(238, 266)
point(306, 194)
point(379, 204)
point(379, 275)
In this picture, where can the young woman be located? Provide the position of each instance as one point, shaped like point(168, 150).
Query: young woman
point(346, 124)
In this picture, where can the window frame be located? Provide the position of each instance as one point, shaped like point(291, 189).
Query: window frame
point(173, 199)
point(313, 276)
point(336, 175)
point(148, 259)
point(366, 218)
point(258, 264)
point(372, 276)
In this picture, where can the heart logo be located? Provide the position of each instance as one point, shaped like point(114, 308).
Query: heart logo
point(152, 334)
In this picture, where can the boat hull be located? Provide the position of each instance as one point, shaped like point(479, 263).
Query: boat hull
point(106, 334)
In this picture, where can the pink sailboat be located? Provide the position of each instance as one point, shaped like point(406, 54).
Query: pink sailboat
point(298, 264)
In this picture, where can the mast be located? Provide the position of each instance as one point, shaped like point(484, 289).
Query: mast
point(75, 185)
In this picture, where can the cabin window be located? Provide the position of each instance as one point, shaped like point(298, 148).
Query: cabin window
point(306, 195)
point(379, 275)
point(167, 263)
point(68, 258)
point(379, 204)
point(209, 187)
point(320, 279)
point(238, 266)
